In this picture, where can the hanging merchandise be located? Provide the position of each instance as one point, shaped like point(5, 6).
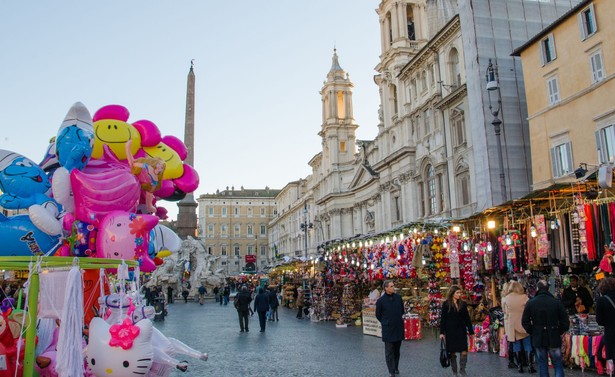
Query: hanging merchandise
point(542, 241)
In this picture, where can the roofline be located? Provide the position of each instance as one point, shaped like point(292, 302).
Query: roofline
point(553, 25)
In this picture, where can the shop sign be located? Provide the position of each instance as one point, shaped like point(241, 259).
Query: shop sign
point(250, 258)
point(371, 325)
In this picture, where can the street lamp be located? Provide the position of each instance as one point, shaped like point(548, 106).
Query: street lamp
point(305, 226)
point(256, 251)
point(493, 84)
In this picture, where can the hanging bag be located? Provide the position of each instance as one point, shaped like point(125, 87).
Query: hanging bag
point(445, 357)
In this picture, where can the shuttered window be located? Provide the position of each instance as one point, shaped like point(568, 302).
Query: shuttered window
point(561, 160)
point(605, 143)
point(547, 49)
point(597, 67)
point(553, 90)
point(587, 22)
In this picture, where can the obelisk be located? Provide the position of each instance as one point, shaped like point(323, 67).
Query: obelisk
point(186, 217)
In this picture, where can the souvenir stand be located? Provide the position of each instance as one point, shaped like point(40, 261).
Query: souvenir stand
point(35, 266)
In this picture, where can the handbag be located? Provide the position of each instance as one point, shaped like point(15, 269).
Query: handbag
point(445, 357)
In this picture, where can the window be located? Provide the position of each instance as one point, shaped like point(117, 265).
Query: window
point(427, 121)
point(224, 211)
point(343, 146)
point(250, 211)
point(547, 50)
point(431, 190)
point(463, 184)
point(263, 250)
point(237, 230)
point(250, 251)
point(237, 250)
point(414, 90)
point(459, 127)
point(421, 200)
point(263, 229)
point(223, 250)
point(223, 229)
point(561, 160)
point(597, 67)
point(455, 73)
point(210, 228)
point(393, 93)
point(605, 140)
point(236, 211)
point(587, 22)
point(553, 90)
point(250, 230)
point(262, 211)
point(396, 208)
point(210, 210)
point(423, 81)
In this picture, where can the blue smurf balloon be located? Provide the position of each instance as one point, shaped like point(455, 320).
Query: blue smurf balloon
point(20, 237)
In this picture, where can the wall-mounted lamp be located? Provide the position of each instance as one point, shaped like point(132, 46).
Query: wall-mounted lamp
point(456, 228)
point(580, 171)
point(490, 224)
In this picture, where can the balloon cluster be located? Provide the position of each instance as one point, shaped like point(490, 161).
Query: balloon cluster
point(95, 193)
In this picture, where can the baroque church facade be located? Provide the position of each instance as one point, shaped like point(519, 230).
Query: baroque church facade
point(435, 157)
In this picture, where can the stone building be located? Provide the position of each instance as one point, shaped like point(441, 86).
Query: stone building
point(233, 225)
point(436, 155)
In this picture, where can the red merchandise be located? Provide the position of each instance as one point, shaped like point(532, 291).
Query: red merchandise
point(412, 328)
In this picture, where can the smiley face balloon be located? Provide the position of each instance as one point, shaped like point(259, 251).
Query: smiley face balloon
point(111, 129)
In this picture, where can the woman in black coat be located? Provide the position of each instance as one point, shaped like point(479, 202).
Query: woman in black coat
point(455, 324)
point(605, 314)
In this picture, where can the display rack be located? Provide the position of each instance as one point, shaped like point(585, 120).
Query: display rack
point(36, 265)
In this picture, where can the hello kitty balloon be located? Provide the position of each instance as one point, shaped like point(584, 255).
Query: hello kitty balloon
point(120, 350)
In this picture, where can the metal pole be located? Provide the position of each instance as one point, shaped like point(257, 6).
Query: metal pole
point(305, 227)
point(496, 125)
point(28, 367)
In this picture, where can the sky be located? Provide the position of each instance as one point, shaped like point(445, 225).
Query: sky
point(259, 67)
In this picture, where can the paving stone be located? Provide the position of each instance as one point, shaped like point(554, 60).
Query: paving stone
point(301, 348)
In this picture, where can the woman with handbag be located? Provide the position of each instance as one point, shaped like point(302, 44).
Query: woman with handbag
point(455, 324)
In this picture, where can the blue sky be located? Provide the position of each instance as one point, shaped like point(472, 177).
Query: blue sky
point(259, 66)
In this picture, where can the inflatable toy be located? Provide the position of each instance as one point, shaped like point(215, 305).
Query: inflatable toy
point(111, 129)
point(20, 237)
point(120, 350)
point(123, 235)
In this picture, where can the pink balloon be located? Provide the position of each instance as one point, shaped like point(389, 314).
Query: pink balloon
point(118, 112)
point(104, 190)
point(124, 235)
point(150, 134)
point(167, 189)
point(189, 181)
point(177, 145)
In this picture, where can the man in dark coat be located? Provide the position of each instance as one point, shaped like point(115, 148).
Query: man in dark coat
point(545, 319)
point(227, 293)
point(389, 311)
point(273, 303)
point(242, 304)
point(576, 298)
point(261, 306)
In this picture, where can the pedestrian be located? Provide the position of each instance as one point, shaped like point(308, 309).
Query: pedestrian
point(274, 303)
point(455, 325)
point(261, 306)
point(605, 315)
point(147, 292)
point(389, 312)
point(202, 292)
point(227, 294)
point(513, 305)
point(242, 304)
point(185, 294)
point(576, 298)
point(169, 294)
point(300, 302)
point(217, 293)
point(545, 319)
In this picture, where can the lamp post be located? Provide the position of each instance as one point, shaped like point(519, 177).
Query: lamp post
point(304, 227)
point(492, 85)
point(256, 251)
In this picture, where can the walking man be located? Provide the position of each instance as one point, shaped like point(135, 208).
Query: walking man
point(545, 318)
point(217, 293)
point(202, 292)
point(227, 293)
point(389, 311)
point(261, 306)
point(242, 304)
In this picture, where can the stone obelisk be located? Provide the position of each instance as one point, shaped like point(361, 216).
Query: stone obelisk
point(186, 217)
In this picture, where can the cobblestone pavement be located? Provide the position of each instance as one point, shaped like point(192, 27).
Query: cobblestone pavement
point(301, 348)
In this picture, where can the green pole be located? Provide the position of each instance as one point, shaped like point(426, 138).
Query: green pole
point(28, 365)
